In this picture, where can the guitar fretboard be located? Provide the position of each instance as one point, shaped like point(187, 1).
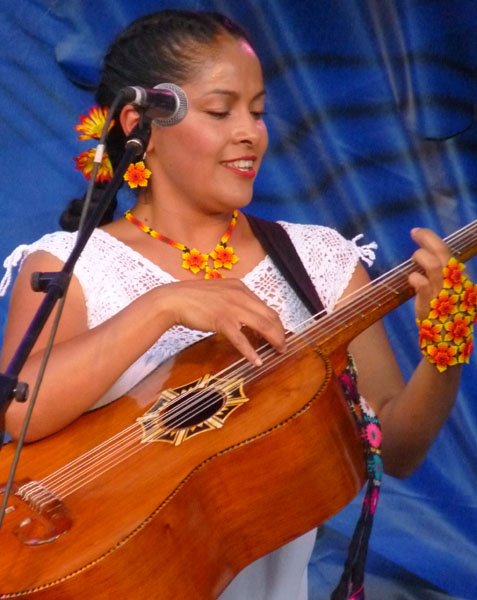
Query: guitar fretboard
point(369, 304)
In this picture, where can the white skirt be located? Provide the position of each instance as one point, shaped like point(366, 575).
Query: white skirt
point(280, 575)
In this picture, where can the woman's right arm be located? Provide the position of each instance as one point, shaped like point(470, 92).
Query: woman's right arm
point(84, 363)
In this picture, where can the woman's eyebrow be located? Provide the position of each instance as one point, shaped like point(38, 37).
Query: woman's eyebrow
point(233, 94)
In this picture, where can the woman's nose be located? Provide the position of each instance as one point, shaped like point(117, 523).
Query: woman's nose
point(248, 129)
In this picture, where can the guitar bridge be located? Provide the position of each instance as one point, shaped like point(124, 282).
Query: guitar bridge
point(36, 515)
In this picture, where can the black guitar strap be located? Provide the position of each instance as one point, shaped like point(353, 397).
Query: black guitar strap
point(281, 250)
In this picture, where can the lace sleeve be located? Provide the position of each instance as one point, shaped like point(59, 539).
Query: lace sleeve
point(58, 244)
point(329, 258)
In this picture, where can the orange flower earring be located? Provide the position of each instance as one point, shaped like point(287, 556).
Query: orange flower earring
point(137, 175)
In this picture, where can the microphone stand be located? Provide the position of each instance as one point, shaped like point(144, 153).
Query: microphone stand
point(54, 285)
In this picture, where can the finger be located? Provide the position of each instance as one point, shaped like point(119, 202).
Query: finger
point(430, 241)
point(223, 306)
point(258, 318)
point(257, 315)
point(268, 325)
point(420, 283)
point(432, 267)
point(424, 294)
point(240, 341)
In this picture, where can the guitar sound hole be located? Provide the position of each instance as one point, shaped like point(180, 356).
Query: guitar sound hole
point(192, 408)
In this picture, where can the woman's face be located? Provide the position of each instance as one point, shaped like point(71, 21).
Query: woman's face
point(212, 157)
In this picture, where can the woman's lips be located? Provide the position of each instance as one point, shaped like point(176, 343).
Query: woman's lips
point(242, 166)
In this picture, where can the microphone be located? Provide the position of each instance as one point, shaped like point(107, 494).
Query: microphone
point(166, 98)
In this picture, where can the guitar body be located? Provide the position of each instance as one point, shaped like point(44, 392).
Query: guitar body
point(180, 521)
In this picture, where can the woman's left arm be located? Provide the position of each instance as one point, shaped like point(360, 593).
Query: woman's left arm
point(411, 414)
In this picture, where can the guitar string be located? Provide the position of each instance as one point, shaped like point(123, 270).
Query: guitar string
point(280, 357)
point(101, 447)
point(299, 327)
point(112, 447)
point(189, 416)
point(176, 425)
point(131, 437)
point(306, 333)
point(96, 462)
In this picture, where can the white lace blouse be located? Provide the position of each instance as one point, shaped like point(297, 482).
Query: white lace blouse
point(112, 275)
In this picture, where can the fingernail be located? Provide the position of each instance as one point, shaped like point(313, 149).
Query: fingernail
point(258, 362)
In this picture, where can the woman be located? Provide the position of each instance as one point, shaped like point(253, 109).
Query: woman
point(131, 303)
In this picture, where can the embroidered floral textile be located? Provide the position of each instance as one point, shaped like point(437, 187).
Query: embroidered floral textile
point(351, 585)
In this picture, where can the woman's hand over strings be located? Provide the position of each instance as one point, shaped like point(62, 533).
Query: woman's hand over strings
point(223, 306)
point(92, 359)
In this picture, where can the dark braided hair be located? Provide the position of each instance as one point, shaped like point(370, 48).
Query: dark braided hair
point(163, 47)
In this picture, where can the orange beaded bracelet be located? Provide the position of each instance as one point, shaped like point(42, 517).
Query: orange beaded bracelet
point(446, 336)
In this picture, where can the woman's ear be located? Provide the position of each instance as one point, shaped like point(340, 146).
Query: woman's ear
point(129, 118)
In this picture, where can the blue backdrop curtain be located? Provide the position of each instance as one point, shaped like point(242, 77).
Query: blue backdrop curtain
point(371, 115)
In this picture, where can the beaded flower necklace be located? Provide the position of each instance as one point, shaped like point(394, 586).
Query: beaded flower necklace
point(193, 260)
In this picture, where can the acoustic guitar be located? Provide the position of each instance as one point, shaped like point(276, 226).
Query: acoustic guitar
point(206, 465)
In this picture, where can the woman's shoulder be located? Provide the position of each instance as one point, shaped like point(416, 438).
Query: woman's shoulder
point(318, 232)
point(328, 256)
point(57, 239)
point(320, 240)
point(60, 244)
point(317, 240)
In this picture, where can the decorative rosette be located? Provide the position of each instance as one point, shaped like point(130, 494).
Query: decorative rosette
point(212, 274)
point(223, 257)
point(194, 260)
point(137, 175)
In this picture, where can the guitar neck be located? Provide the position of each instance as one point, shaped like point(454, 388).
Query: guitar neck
point(369, 304)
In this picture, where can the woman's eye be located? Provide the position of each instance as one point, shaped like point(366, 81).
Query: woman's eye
point(217, 113)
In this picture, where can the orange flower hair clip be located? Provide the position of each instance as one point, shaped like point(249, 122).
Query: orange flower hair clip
point(446, 336)
point(90, 127)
